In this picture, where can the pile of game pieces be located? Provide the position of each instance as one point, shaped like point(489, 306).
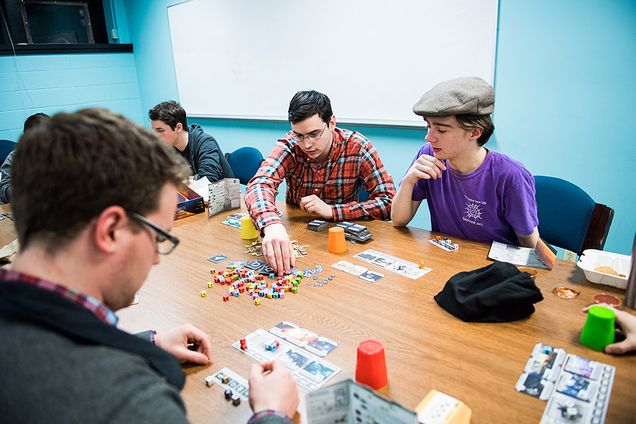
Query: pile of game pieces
point(577, 389)
point(355, 232)
point(255, 249)
point(247, 281)
point(444, 243)
point(236, 387)
point(314, 272)
point(317, 225)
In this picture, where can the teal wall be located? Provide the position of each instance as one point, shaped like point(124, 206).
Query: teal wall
point(564, 84)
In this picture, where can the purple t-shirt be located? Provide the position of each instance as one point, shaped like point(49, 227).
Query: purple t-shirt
point(493, 203)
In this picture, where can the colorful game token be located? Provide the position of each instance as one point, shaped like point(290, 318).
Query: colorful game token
point(565, 292)
point(607, 299)
point(204, 293)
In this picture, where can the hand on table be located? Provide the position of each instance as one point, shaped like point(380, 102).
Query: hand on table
point(273, 387)
point(425, 167)
point(187, 343)
point(627, 323)
point(314, 205)
point(277, 249)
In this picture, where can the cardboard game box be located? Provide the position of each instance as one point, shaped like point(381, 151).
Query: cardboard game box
point(188, 202)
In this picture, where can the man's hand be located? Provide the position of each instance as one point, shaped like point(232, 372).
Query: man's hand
point(277, 249)
point(314, 205)
point(273, 387)
point(627, 322)
point(187, 343)
point(425, 167)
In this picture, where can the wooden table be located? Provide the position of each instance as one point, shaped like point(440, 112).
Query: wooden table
point(426, 348)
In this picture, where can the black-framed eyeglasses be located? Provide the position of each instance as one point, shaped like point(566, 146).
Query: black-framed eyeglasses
point(312, 136)
point(165, 242)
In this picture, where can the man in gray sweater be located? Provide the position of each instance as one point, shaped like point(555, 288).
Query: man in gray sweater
point(91, 221)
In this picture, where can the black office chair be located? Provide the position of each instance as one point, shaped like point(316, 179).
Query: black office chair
point(568, 217)
point(6, 147)
point(244, 162)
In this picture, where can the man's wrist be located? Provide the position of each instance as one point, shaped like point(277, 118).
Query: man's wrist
point(266, 413)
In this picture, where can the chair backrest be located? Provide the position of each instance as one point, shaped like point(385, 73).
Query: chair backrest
point(244, 162)
point(568, 217)
point(6, 147)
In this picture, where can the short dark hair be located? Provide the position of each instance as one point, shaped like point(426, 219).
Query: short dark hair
point(170, 113)
point(306, 104)
point(468, 122)
point(34, 120)
point(86, 162)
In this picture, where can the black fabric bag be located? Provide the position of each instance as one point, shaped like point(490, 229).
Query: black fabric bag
point(495, 293)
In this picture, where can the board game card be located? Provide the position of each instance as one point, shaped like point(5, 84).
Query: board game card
point(445, 244)
point(365, 256)
point(564, 409)
point(217, 258)
point(349, 268)
point(281, 327)
point(583, 367)
point(408, 270)
point(299, 336)
point(295, 359)
point(576, 386)
point(535, 385)
point(321, 346)
point(255, 264)
point(371, 276)
point(382, 261)
point(237, 383)
point(318, 371)
point(266, 270)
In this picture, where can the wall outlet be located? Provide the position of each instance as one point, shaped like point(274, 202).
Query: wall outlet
point(569, 256)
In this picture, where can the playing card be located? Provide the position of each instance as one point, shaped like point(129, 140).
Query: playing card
point(349, 268)
point(295, 358)
point(321, 346)
point(255, 264)
point(318, 371)
point(365, 256)
point(266, 270)
point(217, 258)
point(371, 276)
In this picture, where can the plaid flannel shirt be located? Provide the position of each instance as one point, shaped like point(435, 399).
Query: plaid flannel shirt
point(353, 163)
point(102, 311)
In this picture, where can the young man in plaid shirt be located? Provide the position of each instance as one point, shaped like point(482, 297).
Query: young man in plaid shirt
point(324, 167)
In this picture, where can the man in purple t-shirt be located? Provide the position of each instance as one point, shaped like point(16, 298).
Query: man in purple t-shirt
point(472, 192)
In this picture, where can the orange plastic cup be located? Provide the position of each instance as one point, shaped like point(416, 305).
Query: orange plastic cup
point(336, 242)
point(371, 364)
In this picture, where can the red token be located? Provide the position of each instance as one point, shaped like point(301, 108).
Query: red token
point(607, 299)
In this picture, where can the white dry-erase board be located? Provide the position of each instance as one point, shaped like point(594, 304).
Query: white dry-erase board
point(373, 58)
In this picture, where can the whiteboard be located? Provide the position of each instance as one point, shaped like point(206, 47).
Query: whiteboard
point(245, 59)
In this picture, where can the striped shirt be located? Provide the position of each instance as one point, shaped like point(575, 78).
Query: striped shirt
point(353, 163)
point(103, 312)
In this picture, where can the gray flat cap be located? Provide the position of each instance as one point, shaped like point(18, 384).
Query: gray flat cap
point(460, 96)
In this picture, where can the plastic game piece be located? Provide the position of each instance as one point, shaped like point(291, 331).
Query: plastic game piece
point(257, 302)
point(204, 293)
point(317, 225)
point(228, 393)
point(209, 380)
point(243, 344)
point(225, 379)
point(236, 400)
point(272, 346)
point(210, 284)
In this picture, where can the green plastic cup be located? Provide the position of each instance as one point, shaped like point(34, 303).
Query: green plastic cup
point(598, 330)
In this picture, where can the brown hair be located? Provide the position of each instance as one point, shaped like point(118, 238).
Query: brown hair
point(170, 113)
point(67, 170)
point(468, 122)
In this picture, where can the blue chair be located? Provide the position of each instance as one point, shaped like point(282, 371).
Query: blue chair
point(244, 162)
point(6, 147)
point(568, 217)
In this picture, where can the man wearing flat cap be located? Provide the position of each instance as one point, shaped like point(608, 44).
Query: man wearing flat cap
point(472, 192)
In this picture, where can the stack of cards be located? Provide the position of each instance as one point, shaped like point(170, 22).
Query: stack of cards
point(317, 225)
point(234, 220)
point(355, 232)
